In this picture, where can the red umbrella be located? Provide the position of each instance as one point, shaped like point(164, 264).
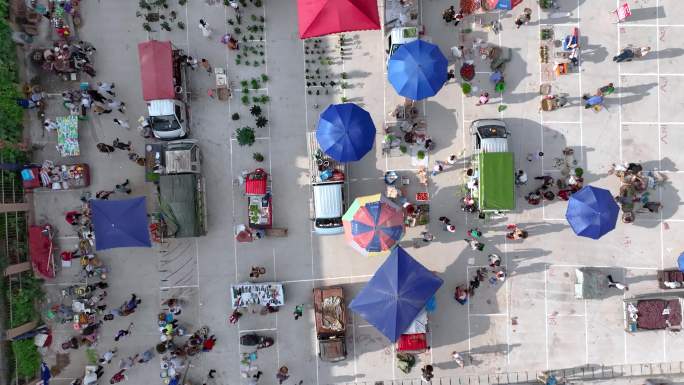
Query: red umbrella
point(325, 17)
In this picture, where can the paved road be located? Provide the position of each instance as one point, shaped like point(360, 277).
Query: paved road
point(530, 322)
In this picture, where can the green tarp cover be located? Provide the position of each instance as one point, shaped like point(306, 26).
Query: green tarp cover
point(497, 181)
point(179, 203)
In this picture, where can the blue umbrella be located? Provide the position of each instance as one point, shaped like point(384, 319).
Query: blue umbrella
point(680, 262)
point(592, 212)
point(120, 223)
point(395, 295)
point(417, 70)
point(345, 132)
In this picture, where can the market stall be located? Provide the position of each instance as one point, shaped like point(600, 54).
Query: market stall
point(267, 293)
point(67, 135)
point(260, 203)
point(56, 177)
point(656, 313)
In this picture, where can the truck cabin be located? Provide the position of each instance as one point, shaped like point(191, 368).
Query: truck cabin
point(492, 132)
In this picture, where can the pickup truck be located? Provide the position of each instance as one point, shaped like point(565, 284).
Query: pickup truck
point(331, 316)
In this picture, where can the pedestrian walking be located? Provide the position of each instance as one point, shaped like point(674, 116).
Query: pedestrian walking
point(535, 156)
point(298, 311)
point(107, 356)
point(120, 334)
point(192, 62)
point(116, 105)
point(104, 194)
point(118, 377)
point(591, 101)
point(494, 261)
point(127, 363)
point(474, 233)
point(458, 18)
point(94, 95)
point(427, 373)
point(458, 359)
point(204, 27)
point(121, 145)
point(516, 232)
point(104, 87)
point(616, 284)
point(445, 221)
point(205, 64)
point(283, 374)
point(484, 99)
point(524, 18)
point(606, 90)
point(451, 74)
point(457, 52)
point(122, 123)
point(133, 302)
point(451, 160)
point(449, 14)
point(520, 178)
point(123, 187)
point(475, 244)
point(437, 168)
point(50, 125)
point(209, 343)
point(99, 110)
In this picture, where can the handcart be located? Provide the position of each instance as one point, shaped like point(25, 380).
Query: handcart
point(222, 85)
point(622, 12)
point(41, 250)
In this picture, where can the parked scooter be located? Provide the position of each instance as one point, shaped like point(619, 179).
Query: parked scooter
point(254, 339)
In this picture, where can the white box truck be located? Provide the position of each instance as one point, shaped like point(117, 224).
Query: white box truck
point(164, 88)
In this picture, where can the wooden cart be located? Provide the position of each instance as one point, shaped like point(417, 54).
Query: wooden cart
point(222, 86)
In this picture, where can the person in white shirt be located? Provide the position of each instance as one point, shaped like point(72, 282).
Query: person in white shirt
point(616, 284)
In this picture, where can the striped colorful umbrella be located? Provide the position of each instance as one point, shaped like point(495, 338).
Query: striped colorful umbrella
point(373, 225)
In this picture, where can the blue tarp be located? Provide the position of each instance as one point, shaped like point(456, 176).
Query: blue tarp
point(592, 212)
point(417, 70)
point(345, 132)
point(395, 295)
point(120, 223)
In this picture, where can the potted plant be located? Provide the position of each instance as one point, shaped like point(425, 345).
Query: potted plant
point(403, 149)
point(245, 136)
point(466, 88)
point(420, 155)
point(258, 157)
point(261, 122)
point(235, 116)
point(579, 171)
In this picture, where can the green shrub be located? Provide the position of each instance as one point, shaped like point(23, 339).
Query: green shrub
point(235, 116)
point(258, 157)
point(420, 155)
point(27, 358)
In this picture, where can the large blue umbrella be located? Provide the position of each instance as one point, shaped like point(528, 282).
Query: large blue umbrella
point(345, 132)
point(120, 223)
point(395, 295)
point(417, 70)
point(592, 212)
point(680, 262)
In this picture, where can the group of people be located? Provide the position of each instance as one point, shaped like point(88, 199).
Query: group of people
point(101, 100)
point(634, 196)
point(64, 58)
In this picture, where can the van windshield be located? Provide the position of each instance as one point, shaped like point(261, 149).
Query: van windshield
point(323, 223)
point(164, 123)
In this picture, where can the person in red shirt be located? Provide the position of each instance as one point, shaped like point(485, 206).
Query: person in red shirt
point(118, 377)
point(209, 344)
point(72, 217)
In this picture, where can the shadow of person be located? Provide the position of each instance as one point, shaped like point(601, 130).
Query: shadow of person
point(594, 53)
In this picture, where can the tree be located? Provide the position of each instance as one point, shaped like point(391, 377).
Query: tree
point(245, 136)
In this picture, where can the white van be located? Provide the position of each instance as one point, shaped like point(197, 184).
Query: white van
point(399, 36)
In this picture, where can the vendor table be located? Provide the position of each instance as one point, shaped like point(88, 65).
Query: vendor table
point(268, 293)
point(260, 211)
point(67, 135)
point(59, 177)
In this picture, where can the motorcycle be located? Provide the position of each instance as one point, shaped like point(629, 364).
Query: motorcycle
point(254, 339)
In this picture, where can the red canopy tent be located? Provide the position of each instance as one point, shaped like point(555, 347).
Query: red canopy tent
point(156, 70)
point(325, 17)
point(256, 183)
point(40, 250)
